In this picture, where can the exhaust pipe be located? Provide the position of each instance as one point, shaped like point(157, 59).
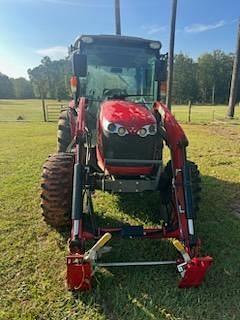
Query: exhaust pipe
point(117, 17)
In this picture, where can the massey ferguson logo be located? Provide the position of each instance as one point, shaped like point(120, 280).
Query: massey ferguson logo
point(132, 130)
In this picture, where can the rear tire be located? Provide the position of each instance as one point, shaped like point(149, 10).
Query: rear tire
point(166, 188)
point(56, 195)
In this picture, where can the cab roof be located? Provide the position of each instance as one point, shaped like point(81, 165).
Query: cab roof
point(116, 39)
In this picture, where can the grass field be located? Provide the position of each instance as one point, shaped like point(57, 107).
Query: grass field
point(32, 263)
point(31, 110)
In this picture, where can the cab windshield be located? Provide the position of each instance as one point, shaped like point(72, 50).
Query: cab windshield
point(115, 72)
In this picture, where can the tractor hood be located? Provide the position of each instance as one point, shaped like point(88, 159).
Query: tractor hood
point(130, 115)
point(128, 131)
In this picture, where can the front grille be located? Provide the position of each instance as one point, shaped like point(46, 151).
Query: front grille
point(129, 147)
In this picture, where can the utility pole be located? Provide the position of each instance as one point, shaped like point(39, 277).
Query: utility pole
point(171, 55)
point(117, 17)
point(235, 78)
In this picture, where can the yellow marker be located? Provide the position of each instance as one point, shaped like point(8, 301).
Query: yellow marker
point(92, 253)
point(180, 247)
point(102, 241)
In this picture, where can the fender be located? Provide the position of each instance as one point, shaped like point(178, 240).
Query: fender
point(81, 119)
point(72, 114)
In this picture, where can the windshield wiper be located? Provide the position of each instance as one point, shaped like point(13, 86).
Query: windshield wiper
point(122, 96)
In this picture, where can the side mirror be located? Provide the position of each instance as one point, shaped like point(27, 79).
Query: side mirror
point(79, 64)
point(161, 68)
point(70, 50)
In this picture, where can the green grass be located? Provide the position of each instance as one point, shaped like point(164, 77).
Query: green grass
point(31, 110)
point(32, 262)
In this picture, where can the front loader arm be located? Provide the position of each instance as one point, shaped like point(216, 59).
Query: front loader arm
point(182, 197)
point(78, 174)
point(193, 268)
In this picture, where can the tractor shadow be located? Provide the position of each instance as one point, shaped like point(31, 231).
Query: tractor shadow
point(151, 292)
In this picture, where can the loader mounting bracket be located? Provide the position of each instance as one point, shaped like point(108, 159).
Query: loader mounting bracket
point(194, 271)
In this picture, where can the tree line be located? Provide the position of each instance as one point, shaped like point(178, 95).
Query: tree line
point(206, 80)
point(15, 88)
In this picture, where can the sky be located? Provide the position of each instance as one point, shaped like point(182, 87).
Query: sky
point(32, 29)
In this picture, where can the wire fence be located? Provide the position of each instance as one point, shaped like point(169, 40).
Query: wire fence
point(31, 110)
point(197, 114)
point(53, 110)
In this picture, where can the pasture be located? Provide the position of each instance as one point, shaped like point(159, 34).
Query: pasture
point(32, 263)
point(31, 110)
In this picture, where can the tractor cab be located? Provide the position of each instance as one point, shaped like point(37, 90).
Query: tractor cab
point(118, 67)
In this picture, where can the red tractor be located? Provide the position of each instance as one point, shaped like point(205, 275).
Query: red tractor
point(111, 138)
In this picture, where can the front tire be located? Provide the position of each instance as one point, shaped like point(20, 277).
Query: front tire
point(56, 195)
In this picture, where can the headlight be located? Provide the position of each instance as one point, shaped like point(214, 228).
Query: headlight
point(122, 131)
point(114, 128)
point(87, 39)
point(111, 127)
point(142, 132)
point(155, 45)
point(150, 129)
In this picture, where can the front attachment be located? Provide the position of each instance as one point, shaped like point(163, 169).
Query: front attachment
point(194, 271)
point(79, 273)
point(80, 266)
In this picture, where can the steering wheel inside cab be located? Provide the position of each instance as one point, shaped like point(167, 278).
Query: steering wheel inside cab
point(114, 93)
